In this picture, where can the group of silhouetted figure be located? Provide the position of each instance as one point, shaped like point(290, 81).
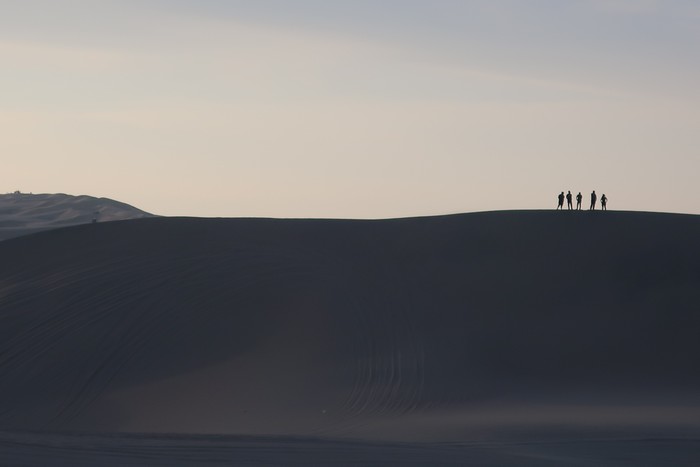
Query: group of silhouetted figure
point(579, 197)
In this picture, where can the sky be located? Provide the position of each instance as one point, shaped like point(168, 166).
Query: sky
point(352, 109)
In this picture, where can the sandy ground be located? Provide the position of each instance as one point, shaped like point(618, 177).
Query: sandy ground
point(507, 338)
point(181, 451)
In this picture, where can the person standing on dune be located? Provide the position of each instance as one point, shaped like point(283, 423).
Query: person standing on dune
point(561, 201)
point(579, 197)
point(604, 202)
point(569, 204)
point(594, 198)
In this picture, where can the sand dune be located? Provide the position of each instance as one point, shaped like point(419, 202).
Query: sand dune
point(505, 329)
point(22, 213)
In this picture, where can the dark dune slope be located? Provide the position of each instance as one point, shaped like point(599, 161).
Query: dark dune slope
point(427, 328)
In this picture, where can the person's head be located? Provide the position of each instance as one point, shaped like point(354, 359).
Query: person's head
point(568, 192)
point(593, 191)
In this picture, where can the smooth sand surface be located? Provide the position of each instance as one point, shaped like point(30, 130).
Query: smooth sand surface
point(503, 338)
point(24, 213)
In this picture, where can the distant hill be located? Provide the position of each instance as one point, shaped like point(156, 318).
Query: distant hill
point(22, 214)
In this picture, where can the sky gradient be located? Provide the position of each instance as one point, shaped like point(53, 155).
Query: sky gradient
point(363, 109)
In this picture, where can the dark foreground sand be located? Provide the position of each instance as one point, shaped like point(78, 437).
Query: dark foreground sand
point(508, 338)
point(192, 451)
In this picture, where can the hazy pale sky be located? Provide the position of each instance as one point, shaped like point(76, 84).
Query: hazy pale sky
point(362, 108)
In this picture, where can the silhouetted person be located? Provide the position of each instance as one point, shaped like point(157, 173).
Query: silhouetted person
point(569, 204)
point(594, 198)
point(604, 202)
point(579, 197)
point(561, 201)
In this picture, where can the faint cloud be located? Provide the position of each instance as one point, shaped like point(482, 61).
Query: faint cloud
point(570, 88)
point(646, 7)
point(255, 56)
point(37, 55)
point(628, 6)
